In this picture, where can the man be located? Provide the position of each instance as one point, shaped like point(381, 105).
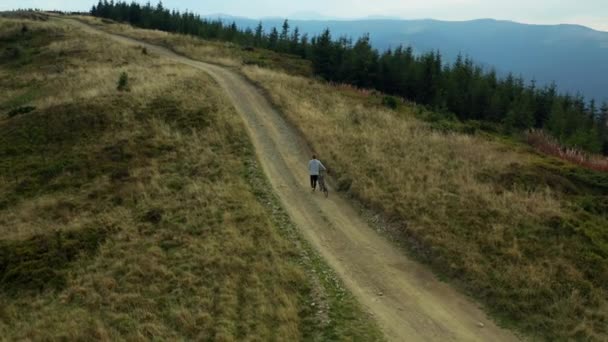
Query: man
point(314, 167)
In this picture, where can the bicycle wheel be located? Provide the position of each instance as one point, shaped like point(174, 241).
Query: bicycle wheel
point(323, 187)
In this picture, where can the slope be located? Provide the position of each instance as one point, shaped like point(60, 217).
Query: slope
point(523, 233)
point(140, 212)
point(408, 301)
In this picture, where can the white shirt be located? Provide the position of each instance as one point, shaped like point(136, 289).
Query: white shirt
point(314, 166)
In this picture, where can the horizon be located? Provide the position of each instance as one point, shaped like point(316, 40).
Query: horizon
point(296, 17)
point(593, 14)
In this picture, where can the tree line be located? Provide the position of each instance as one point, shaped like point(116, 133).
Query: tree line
point(463, 88)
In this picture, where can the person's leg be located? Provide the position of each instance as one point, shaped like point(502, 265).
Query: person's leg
point(313, 182)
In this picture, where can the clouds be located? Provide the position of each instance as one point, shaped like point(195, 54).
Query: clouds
point(593, 13)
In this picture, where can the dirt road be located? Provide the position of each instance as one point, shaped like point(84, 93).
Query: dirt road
point(406, 299)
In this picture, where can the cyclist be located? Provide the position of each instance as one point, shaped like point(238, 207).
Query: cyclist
point(314, 167)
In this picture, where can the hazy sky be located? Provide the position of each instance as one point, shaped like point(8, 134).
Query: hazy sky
point(592, 13)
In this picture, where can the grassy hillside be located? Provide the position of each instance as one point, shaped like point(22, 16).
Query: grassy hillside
point(523, 233)
point(140, 213)
point(223, 53)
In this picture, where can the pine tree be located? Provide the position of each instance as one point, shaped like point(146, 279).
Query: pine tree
point(284, 37)
point(294, 42)
point(544, 103)
point(462, 88)
point(259, 35)
point(603, 127)
point(304, 47)
point(322, 55)
point(520, 116)
point(557, 120)
point(273, 39)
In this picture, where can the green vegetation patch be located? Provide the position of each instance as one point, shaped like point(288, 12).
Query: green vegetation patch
point(524, 234)
point(40, 262)
point(288, 63)
point(330, 312)
point(42, 146)
point(21, 110)
point(171, 111)
point(557, 175)
point(21, 45)
point(129, 216)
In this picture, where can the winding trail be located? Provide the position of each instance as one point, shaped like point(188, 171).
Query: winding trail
point(406, 299)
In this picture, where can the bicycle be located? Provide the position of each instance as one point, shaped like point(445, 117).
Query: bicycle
point(322, 186)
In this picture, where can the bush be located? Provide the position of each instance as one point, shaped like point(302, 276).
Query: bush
point(123, 82)
point(344, 184)
point(12, 53)
point(40, 262)
point(390, 102)
point(549, 145)
point(144, 50)
point(21, 110)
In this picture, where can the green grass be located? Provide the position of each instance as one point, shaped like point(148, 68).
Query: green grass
point(523, 233)
point(142, 214)
point(40, 263)
point(223, 53)
point(334, 311)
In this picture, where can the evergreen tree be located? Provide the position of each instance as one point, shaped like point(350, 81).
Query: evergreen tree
point(592, 111)
point(557, 120)
point(462, 88)
point(365, 63)
point(603, 127)
point(259, 35)
point(284, 37)
point(294, 42)
point(304, 47)
point(520, 116)
point(273, 39)
point(322, 55)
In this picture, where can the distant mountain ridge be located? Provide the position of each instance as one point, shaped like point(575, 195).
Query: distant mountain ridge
point(574, 56)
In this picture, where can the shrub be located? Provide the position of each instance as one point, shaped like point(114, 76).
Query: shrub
point(144, 50)
point(344, 183)
point(40, 262)
point(123, 82)
point(547, 144)
point(12, 53)
point(21, 110)
point(390, 102)
point(153, 216)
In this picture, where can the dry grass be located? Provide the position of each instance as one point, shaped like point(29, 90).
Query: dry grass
point(548, 145)
point(222, 53)
point(137, 215)
point(523, 233)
